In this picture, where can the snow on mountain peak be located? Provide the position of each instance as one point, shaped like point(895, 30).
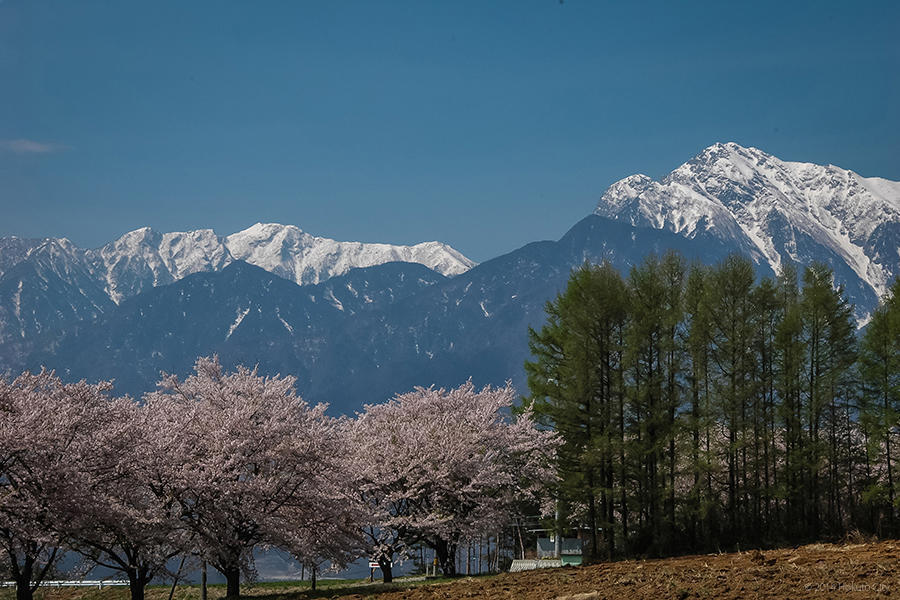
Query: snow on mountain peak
point(14, 250)
point(193, 251)
point(291, 253)
point(144, 258)
point(773, 209)
point(55, 255)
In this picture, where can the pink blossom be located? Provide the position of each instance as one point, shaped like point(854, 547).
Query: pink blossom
point(440, 466)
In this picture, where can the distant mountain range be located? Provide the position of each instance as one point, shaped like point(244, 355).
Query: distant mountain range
point(49, 286)
point(144, 258)
point(358, 322)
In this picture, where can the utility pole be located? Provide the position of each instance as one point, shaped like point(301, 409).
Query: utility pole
point(557, 546)
point(521, 542)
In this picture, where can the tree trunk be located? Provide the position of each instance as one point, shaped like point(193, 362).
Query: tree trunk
point(387, 574)
point(23, 591)
point(177, 576)
point(23, 575)
point(137, 583)
point(592, 519)
point(890, 473)
point(622, 464)
point(480, 553)
point(137, 589)
point(446, 553)
point(233, 582)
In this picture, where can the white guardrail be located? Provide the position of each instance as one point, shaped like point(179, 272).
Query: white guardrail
point(519, 565)
point(99, 584)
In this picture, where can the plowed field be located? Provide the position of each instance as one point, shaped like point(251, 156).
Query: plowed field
point(845, 571)
point(869, 570)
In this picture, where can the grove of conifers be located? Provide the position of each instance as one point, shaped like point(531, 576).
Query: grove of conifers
point(222, 463)
point(701, 408)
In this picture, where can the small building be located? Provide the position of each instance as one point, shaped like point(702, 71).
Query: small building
point(570, 549)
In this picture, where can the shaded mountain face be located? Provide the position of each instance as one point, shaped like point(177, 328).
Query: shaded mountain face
point(243, 313)
point(45, 294)
point(775, 211)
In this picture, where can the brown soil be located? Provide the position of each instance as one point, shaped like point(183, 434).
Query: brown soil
point(845, 571)
point(868, 570)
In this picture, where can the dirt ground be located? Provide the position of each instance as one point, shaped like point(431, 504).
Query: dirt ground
point(845, 571)
point(870, 570)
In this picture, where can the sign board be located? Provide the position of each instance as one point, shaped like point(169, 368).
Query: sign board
point(375, 565)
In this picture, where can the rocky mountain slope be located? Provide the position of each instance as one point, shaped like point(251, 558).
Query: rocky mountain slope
point(776, 211)
point(47, 289)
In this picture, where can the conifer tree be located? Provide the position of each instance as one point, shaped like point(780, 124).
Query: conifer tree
point(731, 325)
point(646, 381)
point(879, 367)
point(766, 451)
point(701, 409)
point(829, 339)
point(575, 385)
point(789, 361)
point(702, 503)
point(672, 273)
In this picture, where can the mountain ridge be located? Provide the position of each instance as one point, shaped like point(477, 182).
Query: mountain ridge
point(145, 258)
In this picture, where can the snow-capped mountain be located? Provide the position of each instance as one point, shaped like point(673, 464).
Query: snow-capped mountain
point(50, 285)
point(144, 258)
point(776, 211)
point(14, 250)
point(293, 254)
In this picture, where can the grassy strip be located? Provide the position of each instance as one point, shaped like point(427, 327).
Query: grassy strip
point(269, 590)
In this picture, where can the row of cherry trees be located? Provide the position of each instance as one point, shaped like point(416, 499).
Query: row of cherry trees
point(221, 463)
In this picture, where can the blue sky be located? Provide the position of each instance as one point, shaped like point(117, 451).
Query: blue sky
point(482, 124)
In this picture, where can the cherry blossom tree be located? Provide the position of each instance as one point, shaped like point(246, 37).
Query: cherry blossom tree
point(442, 466)
point(248, 464)
point(48, 443)
point(123, 525)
